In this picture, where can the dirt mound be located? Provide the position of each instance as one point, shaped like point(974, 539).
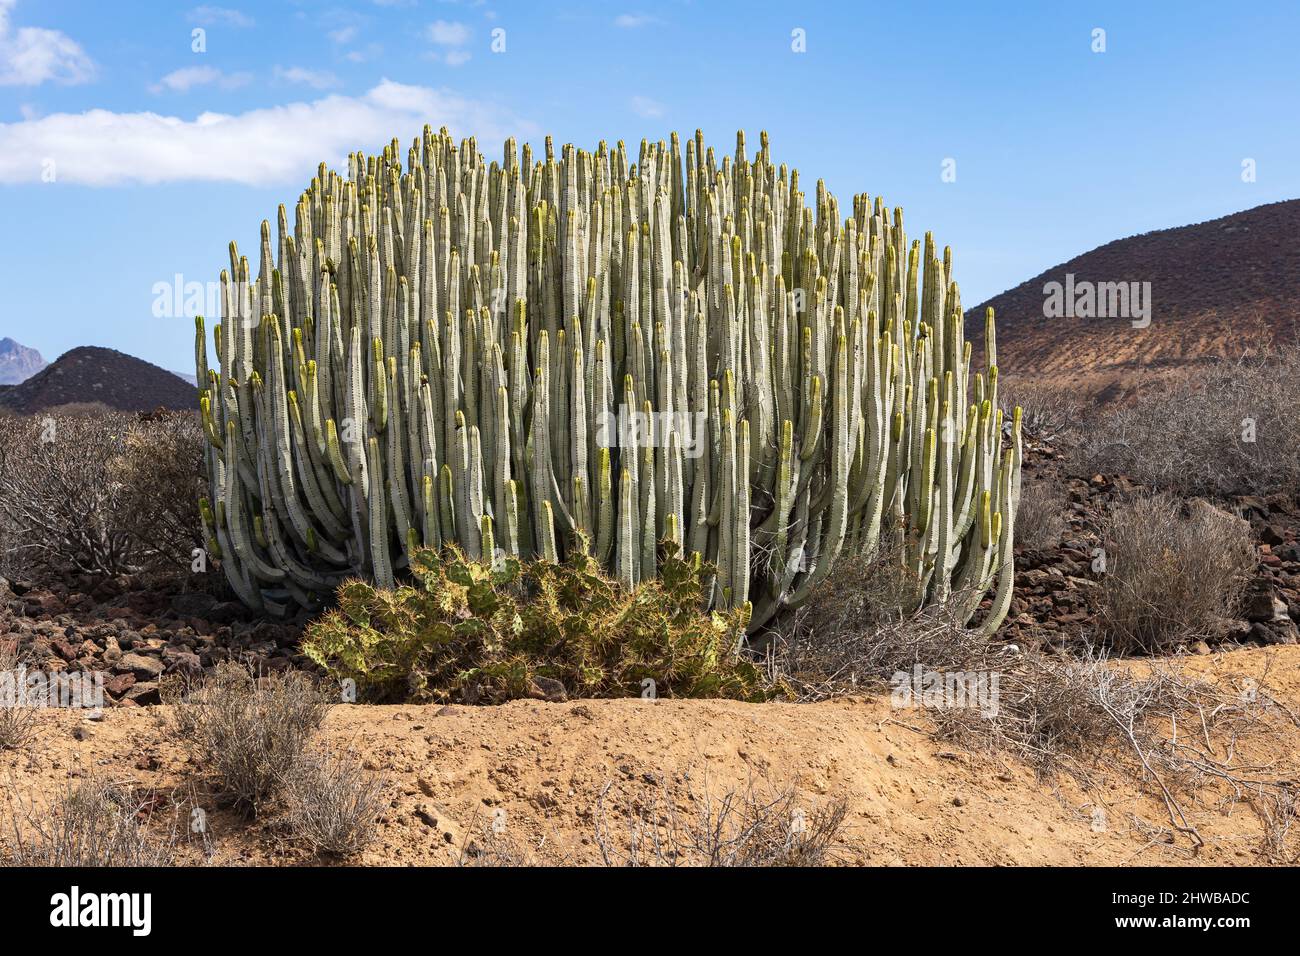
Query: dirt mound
point(1216, 288)
point(545, 774)
point(91, 375)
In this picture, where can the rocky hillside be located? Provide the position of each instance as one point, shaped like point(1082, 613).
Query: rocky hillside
point(18, 363)
point(1215, 288)
point(90, 375)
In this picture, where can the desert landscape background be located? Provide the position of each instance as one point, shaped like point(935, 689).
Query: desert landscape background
point(1190, 756)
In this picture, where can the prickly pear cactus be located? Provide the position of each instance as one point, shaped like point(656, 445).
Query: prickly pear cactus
point(534, 354)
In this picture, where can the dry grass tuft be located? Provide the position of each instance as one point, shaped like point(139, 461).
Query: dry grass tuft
point(1175, 573)
point(250, 733)
point(740, 828)
point(17, 722)
point(332, 804)
point(97, 823)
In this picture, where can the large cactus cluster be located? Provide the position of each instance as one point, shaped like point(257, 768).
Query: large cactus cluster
point(539, 353)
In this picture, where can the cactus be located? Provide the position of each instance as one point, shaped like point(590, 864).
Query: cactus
point(527, 357)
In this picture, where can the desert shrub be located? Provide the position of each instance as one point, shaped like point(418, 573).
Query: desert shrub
point(739, 828)
point(1175, 573)
point(332, 804)
point(17, 720)
point(851, 636)
point(250, 733)
point(1233, 429)
point(99, 492)
point(1040, 519)
point(482, 634)
point(1049, 413)
point(58, 498)
point(1072, 713)
point(160, 471)
point(818, 663)
point(96, 823)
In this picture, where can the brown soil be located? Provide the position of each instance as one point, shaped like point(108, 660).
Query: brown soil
point(911, 799)
point(1218, 288)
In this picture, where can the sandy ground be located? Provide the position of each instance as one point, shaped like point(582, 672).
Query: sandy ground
point(538, 771)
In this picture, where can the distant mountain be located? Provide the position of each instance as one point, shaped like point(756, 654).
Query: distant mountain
point(18, 363)
point(90, 374)
point(1216, 288)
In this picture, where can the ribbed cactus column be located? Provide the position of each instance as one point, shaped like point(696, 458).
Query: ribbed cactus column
point(527, 355)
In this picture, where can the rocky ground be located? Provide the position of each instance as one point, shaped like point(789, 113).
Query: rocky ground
point(1057, 598)
point(139, 631)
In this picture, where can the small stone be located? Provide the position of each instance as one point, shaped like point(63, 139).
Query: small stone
point(144, 668)
point(119, 684)
point(549, 689)
point(144, 693)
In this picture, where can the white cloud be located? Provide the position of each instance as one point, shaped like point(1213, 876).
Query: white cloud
point(448, 33)
point(184, 80)
point(343, 34)
point(223, 16)
point(369, 52)
point(320, 79)
point(644, 106)
point(630, 21)
point(274, 145)
point(451, 57)
point(31, 55)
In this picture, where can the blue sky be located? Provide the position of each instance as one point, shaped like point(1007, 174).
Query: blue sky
point(160, 155)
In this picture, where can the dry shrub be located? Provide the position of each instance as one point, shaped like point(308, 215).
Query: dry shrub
point(1050, 413)
point(850, 636)
point(1070, 712)
point(160, 470)
point(1191, 435)
point(250, 733)
point(1175, 573)
point(1040, 519)
point(58, 498)
point(1181, 736)
point(100, 492)
point(740, 828)
point(496, 848)
point(332, 804)
point(96, 823)
point(17, 721)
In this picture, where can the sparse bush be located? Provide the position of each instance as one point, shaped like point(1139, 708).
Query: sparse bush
point(58, 497)
point(97, 823)
point(1040, 520)
point(1175, 573)
point(17, 721)
point(1233, 429)
point(850, 637)
point(101, 492)
point(1070, 713)
point(332, 804)
point(160, 471)
point(740, 828)
point(1049, 413)
point(250, 733)
point(489, 635)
